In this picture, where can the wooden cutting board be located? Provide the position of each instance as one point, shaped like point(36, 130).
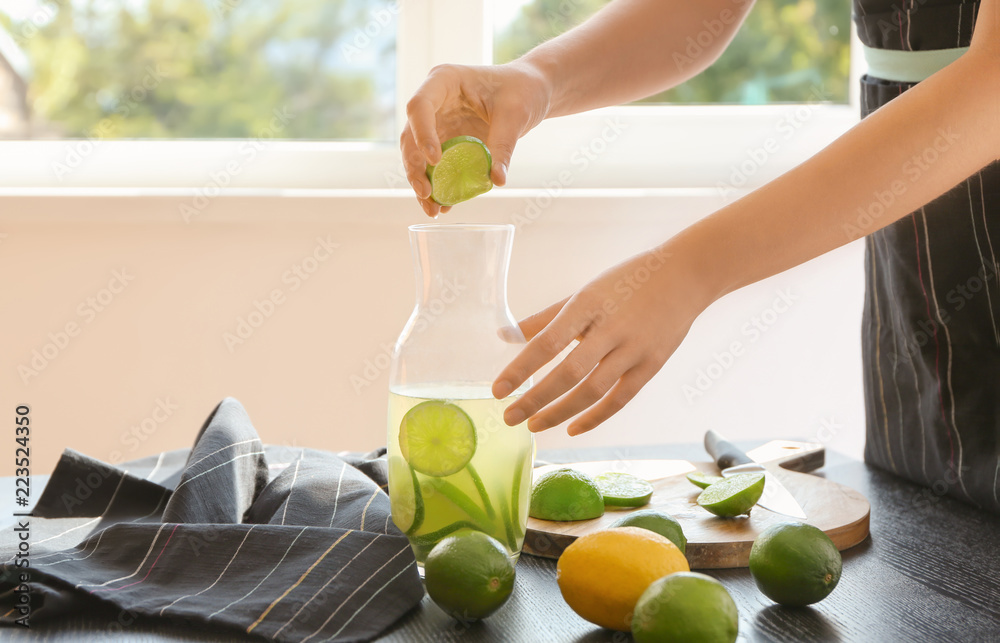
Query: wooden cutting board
point(714, 542)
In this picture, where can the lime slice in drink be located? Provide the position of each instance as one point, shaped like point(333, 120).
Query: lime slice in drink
point(463, 171)
point(437, 438)
point(623, 489)
point(733, 496)
point(406, 503)
point(702, 479)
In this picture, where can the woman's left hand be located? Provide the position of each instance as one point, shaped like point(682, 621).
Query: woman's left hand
point(628, 321)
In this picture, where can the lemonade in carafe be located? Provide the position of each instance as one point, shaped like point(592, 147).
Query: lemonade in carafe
point(453, 463)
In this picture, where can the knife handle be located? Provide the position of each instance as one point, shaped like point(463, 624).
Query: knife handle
point(725, 453)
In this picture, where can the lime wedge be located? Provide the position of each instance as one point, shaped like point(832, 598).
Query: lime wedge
point(702, 479)
point(623, 489)
point(733, 496)
point(437, 438)
point(463, 171)
point(406, 503)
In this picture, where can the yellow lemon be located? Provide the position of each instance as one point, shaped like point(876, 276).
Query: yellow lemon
point(603, 574)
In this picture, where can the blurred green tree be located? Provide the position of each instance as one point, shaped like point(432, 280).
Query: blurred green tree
point(786, 51)
point(211, 69)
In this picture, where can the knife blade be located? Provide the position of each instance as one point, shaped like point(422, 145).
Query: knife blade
point(732, 460)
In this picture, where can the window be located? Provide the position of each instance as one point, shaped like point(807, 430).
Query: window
point(182, 69)
point(167, 94)
point(786, 50)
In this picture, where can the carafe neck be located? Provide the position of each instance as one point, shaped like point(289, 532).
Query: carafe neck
point(461, 267)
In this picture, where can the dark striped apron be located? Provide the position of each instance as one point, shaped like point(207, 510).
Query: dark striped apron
point(931, 322)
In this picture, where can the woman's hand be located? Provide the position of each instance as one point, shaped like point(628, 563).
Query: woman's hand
point(497, 104)
point(628, 322)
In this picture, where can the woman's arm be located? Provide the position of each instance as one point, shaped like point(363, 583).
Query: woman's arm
point(628, 50)
point(635, 48)
point(908, 153)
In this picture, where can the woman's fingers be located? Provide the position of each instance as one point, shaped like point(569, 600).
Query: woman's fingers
point(534, 324)
point(585, 394)
point(567, 374)
point(620, 394)
point(421, 115)
point(505, 129)
point(414, 164)
point(542, 348)
point(431, 208)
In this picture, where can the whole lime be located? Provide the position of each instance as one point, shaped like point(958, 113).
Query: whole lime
point(656, 521)
point(795, 564)
point(566, 494)
point(685, 607)
point(469, 575)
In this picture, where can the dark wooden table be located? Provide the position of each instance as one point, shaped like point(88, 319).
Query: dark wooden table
point(929, 572)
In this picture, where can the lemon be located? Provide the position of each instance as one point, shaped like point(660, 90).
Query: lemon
point(685, 607)
point(701, 479)
point(733, 496)
point(658, 522)
point(463, 171)
point(437, 438)
point(566, 494)
point(795, 564)
point(469, 575)
point(623, 489)
point(603, 574)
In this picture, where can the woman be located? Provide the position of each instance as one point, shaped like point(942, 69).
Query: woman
point(929, 139)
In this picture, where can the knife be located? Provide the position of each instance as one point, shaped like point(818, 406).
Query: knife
point(731, 460)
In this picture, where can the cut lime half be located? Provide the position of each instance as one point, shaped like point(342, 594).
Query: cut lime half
point(733, 496)
point(463, 171)
point(437, 438)
point(623, 489)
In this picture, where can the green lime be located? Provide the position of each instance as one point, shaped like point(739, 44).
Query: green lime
point(702, 479)
point(406, 503)
point(463, 171)
point(733, 496)
point(566, 494)
point(658, 522)
point(685, 607)
point(469, 575)
point(795, 564)
point(623, 489)
point(437, 438)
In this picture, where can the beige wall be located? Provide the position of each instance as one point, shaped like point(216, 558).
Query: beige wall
point(160, 340)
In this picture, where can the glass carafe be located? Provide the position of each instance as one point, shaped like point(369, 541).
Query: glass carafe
point(453, 463)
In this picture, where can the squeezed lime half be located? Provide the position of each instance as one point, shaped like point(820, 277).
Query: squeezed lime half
point(463, 171)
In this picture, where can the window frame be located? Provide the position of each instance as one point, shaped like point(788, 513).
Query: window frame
point(653, 146)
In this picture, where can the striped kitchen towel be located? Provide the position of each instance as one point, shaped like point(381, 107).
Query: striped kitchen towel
point(288, 544)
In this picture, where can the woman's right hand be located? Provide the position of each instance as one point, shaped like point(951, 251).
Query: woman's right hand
point(497, 104)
